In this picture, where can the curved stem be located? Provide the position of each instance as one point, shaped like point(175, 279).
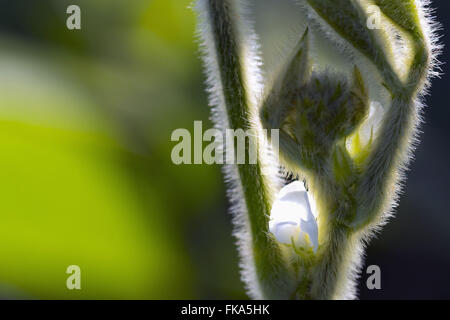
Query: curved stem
point(271, 271)
point(378, 184)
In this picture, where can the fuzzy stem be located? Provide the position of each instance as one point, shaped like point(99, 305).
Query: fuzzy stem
point(335, 259)
point(393, 146)
point(270, 267)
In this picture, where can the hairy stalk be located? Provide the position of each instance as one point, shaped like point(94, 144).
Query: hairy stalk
point(264, 268)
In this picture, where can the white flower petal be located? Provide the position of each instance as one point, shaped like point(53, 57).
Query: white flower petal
point(312, 204)
point(292, 217)
point(286, 232)
point(372, 124)
point(310, 227)
point(291, 187)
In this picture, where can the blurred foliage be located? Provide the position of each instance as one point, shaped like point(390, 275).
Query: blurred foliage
point(85, 124)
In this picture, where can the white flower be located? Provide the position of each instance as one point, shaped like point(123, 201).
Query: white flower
point(368, 130)
point(293, 217)
point(372, 124)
